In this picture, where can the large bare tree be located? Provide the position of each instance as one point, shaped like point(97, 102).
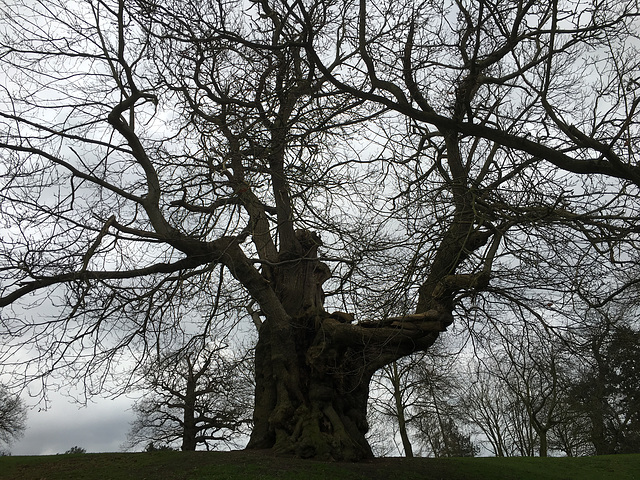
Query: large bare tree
point(410, 163)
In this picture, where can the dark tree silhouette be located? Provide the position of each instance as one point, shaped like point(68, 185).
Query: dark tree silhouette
point(409, 163)
point(13, 416)
point(75, 451)
point(197, 396)
point(606, 394)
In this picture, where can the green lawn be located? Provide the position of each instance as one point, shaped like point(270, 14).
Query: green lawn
point(264, 466)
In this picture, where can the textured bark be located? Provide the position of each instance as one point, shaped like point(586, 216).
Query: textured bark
point(313, 401)
point(306, 410)
point(300, 408)
point(313, 368)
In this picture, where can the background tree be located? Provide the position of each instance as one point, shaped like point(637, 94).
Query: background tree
point(75, 451)
point(623, 393)
point(392, 392)
point(491, 410)
point(445, 437)
point(413, 164)
point(199, 395)
point(532, 364)
point(420, 394)
point(151, 447)
point(517, 394)
point(555, 389)
point(605, 392)
point(13, 416)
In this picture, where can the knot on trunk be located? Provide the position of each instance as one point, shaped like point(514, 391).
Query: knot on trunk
point(309, 242)
point(299, 275)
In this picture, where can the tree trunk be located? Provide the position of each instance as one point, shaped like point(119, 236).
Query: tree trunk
point(311, 399)
point(400, 412)
point(189, 427)
point(544, 444)
point(310, 408)
point(597, 403)
point(313, 368)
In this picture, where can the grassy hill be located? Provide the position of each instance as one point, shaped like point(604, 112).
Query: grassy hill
point(264, 466)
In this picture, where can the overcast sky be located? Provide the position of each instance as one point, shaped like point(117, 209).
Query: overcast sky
point(102, 426)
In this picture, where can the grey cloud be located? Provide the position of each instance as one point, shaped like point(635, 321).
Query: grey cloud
point(100, 427)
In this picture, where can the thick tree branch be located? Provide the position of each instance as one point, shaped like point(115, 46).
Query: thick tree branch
point(212, 252)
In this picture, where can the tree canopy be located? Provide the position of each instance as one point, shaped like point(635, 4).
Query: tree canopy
point(13, 416)
point(360, 175)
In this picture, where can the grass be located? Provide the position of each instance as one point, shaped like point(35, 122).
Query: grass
point(245, 465)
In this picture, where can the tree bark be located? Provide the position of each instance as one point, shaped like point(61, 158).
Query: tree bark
point(313, 368)
point(307, 407)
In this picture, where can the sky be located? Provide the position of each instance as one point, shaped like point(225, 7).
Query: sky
point(101, 426)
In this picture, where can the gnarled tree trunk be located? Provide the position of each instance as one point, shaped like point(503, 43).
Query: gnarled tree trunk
point(313, 368)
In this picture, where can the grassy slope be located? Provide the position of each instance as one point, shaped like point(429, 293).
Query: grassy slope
point(264, 466)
